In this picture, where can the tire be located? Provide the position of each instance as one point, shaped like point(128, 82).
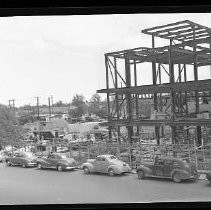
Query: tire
point(176, 177)
point(39, 166)
point(59, 168)
point(86, 170)
point(111, 172)
point(141, 174)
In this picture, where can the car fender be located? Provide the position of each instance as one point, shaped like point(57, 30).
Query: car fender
point(146, 170)
point(117, 169)
point(184, 174)
point(89, 166)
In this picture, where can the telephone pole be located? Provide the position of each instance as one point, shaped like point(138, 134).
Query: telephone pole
point(49, 105)
point(12, 105)
point(38, 108)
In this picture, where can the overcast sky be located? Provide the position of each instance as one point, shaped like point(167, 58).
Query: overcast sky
point(64, 55)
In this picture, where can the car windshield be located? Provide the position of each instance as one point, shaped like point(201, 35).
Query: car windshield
point(112, 157)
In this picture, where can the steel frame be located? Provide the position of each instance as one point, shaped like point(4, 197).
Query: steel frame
point(122, 89)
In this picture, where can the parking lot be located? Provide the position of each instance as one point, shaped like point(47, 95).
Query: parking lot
point(33, 186)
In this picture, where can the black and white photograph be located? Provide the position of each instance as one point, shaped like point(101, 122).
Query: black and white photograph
point(105, 108)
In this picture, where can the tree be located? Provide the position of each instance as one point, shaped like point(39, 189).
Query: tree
point(26, 114)
point(11, 132)
point(97, 106)
point(79, 102)
point(59, 104)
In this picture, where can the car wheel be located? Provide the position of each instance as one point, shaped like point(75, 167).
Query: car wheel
point(39, 166)
point(59, 168)
point(86, 170)
point(141, 174)
point(111, 172)
point(176, 177)
point(8, 163)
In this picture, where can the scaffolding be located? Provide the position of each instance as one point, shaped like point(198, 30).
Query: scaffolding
point(189, 48)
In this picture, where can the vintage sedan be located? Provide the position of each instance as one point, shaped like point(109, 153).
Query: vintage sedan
point(24, 159)
point(106, 164)
point(59, 161)
point(173, 168)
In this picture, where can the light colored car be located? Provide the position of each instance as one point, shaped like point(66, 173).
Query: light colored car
point(108, 164)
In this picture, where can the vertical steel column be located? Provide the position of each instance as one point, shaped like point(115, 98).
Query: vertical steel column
point(154, 78)
point(128, 96)
point(186, 94)
point(108, 98)
point(199, 140)
point(172, 94)
point(117, 99)
point(160, 99)
point(136, 95)
point(180, 93)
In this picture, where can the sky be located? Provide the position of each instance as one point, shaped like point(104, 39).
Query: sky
point(64, 55)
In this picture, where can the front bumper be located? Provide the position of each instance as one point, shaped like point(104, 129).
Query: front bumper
point(72, 167)
point(126, 170)
point(194, 177)
point(31, 164)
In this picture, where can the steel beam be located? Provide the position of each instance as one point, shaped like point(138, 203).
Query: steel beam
point(128, 96)
point(108, 98)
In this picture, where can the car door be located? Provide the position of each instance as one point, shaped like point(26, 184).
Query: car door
point(159, 168)
point(103, 168)
point(15, 159)
point(97, 164)
point(167, 168)
point(53, 160)
point(21, 159)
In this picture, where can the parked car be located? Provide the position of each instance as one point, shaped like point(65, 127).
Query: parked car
point(173, 168)
point(106, 164)
point(24, 159)
point(59, 161)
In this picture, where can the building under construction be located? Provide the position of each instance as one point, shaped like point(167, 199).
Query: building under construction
point(189, 49)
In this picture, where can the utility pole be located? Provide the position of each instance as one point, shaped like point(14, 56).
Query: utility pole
point(12, 105)
point(38, 108)
point(49, 105)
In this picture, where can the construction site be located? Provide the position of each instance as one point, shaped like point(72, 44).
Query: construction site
point(171, 116)
point(180, 119)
